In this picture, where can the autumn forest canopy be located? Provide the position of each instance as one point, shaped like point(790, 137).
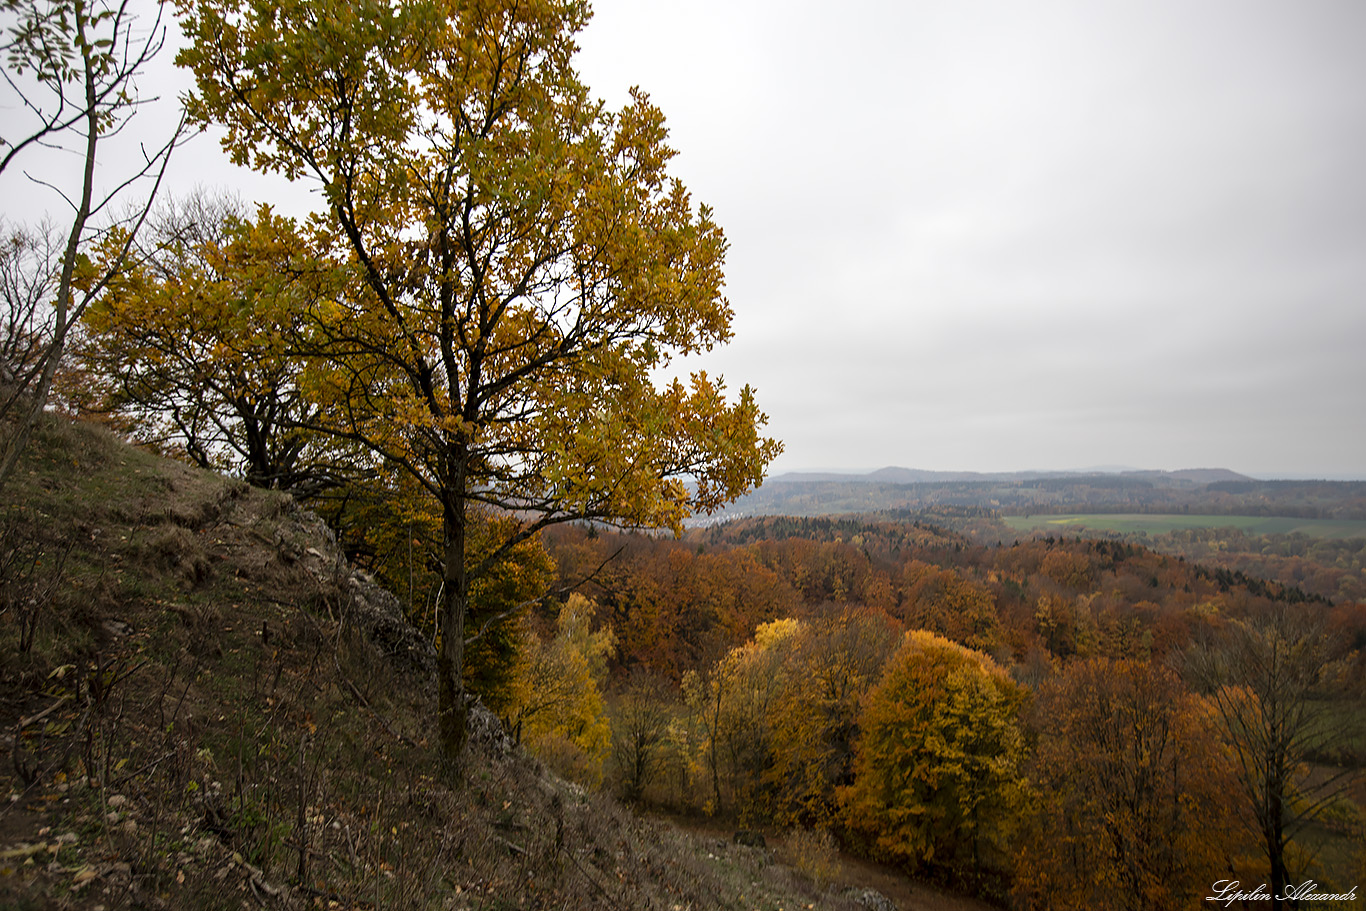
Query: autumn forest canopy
point(454, 363)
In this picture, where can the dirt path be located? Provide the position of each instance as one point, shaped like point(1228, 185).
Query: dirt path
point(855, 872)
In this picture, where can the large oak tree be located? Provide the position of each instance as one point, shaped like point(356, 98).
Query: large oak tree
point(524, 265)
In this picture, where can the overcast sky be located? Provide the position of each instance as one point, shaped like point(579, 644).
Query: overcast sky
point(1005, 235)
point(1017, 235)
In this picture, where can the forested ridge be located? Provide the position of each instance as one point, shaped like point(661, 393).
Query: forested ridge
point(769, 653)
point(750, 571)
point(1330, 568)
point(1158, 493)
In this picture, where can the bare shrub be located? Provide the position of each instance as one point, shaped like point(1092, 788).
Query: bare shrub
point(32, 566)
point(640, 728)
point(815, 855)
point(28, 271)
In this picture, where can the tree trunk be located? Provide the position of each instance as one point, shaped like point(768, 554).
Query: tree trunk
point(1276, 849)
point(1277, 787)
point(452, 711)
point(715, 737)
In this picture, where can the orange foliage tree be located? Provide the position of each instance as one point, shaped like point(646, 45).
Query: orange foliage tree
point(672, 606)
point(1132, 786)
point(944, 602)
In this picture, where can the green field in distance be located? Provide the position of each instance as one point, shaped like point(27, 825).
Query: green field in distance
point(1127, 523)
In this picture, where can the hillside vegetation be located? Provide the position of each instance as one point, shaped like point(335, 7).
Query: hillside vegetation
point(203, 706)
point(458, 362)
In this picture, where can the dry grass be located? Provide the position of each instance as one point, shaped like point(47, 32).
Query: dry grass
point(815, 855)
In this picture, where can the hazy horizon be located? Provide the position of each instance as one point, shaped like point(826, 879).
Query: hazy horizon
point(1090, 469)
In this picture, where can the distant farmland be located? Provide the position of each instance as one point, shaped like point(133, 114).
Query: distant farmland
point(1130, 523)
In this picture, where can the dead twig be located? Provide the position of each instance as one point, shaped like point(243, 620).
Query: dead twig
point(25, 722)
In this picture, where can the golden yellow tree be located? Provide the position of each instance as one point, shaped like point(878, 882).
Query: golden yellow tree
point(557, 702)
point(732, 704)
point(524, 264)
point(189, 345)
point(831, 667)
point(938, 783)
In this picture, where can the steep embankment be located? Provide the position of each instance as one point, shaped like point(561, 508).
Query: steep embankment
point(202, 706)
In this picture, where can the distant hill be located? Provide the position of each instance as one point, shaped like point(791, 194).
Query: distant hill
point(897, 475)
point(1194, 475)
point(1215, 491)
